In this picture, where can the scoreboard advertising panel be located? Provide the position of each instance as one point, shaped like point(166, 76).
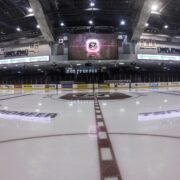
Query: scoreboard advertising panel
point(92, 46)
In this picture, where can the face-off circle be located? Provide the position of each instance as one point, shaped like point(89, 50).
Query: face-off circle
point(90, 96)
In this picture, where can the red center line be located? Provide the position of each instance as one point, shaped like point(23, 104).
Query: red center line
point(109, 169)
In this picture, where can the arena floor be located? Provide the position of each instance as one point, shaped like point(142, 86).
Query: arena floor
point(45, 137)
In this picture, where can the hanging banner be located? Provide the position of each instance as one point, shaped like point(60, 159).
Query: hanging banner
point(25, 60)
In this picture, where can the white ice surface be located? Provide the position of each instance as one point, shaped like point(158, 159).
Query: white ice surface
point(76, 157)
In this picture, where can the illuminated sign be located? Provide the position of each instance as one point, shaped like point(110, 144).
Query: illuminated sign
point(157, 57)
point(25, 60)
point(92, 46)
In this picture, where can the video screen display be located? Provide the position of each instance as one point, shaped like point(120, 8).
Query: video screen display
point(92, 46)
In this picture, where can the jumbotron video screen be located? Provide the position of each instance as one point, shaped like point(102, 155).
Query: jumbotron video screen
point(92, 46)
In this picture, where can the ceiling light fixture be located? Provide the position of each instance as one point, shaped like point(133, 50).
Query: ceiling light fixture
point(62, 24)
point(154, 7)
point(91, 22)
point(122, 23)
point(18, 29)
point(147, 25)
point(166, 26)
point(29, 15)
point(92, 4)
point(92, 9)
point(30, 10)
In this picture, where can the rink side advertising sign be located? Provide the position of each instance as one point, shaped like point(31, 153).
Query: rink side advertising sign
point(25, 60)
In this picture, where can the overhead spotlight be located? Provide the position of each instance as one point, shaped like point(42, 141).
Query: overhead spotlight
point(62, 24)
point(154, 7)
point(30, 10)
point(147, 25)
point(91, 22)
point(122, 23)
point(166, 26)
point(38, 26)
point(92, 4)
point(18, 29)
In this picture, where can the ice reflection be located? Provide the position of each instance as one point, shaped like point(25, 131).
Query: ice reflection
point(159, 115)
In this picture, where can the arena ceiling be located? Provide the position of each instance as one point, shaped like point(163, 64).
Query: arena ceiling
point(18, 20)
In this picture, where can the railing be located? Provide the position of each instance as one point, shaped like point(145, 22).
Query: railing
point(90, 86)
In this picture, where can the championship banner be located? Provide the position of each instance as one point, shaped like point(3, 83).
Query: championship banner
point(1, 51)
point(34, 47)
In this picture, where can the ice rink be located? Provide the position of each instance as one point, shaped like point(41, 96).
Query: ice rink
point(43, 137)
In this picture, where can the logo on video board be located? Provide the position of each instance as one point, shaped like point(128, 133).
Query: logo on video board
point(93, 46)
